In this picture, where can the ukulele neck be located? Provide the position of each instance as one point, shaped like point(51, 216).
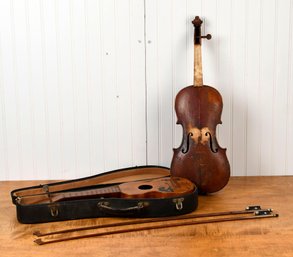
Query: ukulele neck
point(102, 192)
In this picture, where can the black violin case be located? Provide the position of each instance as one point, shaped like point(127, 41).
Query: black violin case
point(34, 205)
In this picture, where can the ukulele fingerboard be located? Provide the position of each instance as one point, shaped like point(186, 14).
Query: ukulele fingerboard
point(100, 192)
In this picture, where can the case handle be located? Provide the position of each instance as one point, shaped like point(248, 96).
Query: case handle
point(106, 208)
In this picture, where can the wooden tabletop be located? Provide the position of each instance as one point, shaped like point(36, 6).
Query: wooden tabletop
point(262, 237)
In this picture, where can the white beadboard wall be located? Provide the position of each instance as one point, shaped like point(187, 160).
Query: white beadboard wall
point(249, 60)
point(88, 86)
point(72, 87)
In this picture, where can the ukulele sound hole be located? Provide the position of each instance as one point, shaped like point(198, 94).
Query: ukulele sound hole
point(145, 187)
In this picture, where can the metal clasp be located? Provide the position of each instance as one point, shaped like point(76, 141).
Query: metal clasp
point(54, 210)
point(18, 199)
point(178, 203)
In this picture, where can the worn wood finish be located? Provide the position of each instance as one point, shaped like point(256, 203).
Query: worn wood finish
point(151, 188)
point(258, 238)
point(199, 108)
point(157, 188)
point(197, 69)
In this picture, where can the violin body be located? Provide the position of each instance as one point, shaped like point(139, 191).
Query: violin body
point(199, 107)
point(199, 157)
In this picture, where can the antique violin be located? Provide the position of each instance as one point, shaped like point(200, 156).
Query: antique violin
point(198, 107)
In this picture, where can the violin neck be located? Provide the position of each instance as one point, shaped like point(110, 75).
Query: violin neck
point(197, 75)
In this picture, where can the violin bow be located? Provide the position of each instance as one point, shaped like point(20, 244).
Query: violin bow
point(255, 210)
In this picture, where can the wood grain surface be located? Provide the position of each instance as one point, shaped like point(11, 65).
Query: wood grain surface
point(265, 237)
point(197, 69)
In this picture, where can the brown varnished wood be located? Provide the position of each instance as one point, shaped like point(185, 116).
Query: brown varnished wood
point(199, 111)
point(199, 157)
point(197, 66)
point(151, 220)
point(158, 188)
point(124, 175)
point(155, 188)
point(197, 70)
point(188, 222)
point(151, 188)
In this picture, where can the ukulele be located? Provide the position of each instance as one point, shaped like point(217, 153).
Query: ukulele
point(156, 188)
point(152, 188)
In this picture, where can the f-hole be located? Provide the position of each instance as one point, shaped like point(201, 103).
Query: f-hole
point(211, 143)
point(189, 135)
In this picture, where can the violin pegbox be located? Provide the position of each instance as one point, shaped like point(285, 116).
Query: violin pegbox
point(197, 22)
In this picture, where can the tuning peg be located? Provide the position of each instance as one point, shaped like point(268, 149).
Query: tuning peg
point(208, 36)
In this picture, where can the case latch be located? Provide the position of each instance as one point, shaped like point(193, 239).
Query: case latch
point(54, 210)
point(178, 203)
